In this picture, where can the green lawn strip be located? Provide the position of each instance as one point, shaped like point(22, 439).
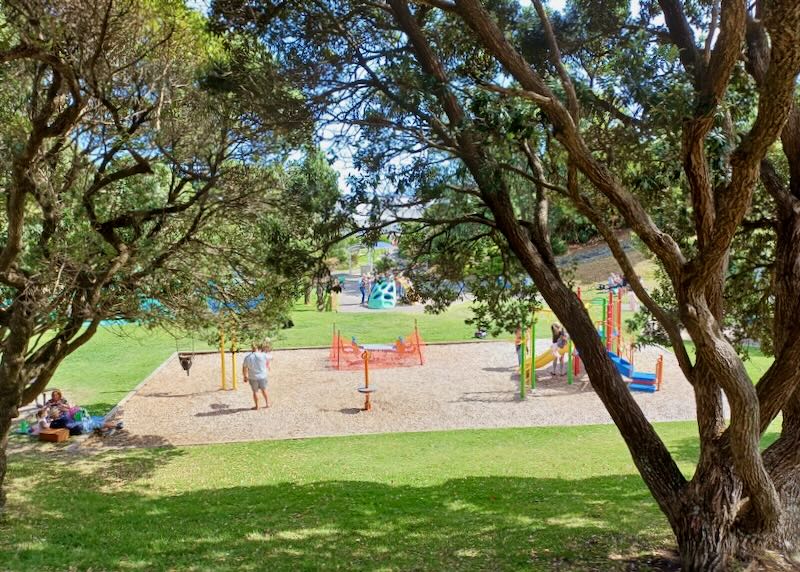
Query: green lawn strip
point(501, 499)
point(312, 328)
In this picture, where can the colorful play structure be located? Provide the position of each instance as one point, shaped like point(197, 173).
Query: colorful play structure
point(351, 355)
point(610, 330)
point(383, 295)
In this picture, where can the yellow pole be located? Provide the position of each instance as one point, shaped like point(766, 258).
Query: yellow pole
point(222, 356)
point(233, 361)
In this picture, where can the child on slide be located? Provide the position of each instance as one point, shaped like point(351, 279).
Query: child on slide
point(560, 339)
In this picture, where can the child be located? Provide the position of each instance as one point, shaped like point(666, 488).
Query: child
point(42, 422)
point(559, 342)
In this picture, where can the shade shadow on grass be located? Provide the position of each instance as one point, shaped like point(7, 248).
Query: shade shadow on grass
point(100, 514)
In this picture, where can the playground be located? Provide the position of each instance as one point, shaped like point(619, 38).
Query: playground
point(460, 386)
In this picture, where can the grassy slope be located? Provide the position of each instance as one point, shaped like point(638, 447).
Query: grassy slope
point(492, 499)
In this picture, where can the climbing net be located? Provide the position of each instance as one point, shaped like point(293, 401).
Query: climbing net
point(403, 352)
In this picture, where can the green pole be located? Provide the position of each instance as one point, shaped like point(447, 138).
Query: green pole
point(569, 364)
point(603, 320)
point(522, 363)
point(533, 351)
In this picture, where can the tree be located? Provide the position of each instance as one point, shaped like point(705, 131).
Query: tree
point(423, 84)
point(132, 170)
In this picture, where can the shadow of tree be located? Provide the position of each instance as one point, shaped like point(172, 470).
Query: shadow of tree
point(101, 514)
point(222, 411)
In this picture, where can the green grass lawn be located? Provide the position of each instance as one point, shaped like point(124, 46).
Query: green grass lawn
point(312, 328)
point(505, 499)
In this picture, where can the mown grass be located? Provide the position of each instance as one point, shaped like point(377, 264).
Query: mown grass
point(507, 499)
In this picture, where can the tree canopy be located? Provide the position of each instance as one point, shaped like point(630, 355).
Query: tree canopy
point(142, 163)
point(471, 118)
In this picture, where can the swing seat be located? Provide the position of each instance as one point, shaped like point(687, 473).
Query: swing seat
point(186, 362)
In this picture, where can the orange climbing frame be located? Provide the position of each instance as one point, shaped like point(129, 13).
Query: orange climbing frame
point(403, 352)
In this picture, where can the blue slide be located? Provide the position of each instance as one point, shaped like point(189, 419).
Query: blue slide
point(640, 381)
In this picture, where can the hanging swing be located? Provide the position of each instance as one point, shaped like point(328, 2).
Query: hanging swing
point(185, 358)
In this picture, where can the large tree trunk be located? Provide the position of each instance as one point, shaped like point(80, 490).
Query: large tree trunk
point(6, 415)
point(705, 542)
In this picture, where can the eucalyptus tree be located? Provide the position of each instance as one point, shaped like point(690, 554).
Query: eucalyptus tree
point(133, 168)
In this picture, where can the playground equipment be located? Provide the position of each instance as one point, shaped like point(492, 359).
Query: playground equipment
point(383, 295)
point(223, 383)
point(406, 351)
point(366, 390)
point(529, 365)
point(610, 330)
point(185, 358)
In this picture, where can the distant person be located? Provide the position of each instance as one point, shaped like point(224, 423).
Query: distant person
point(560, 338)
point(336, 289)
point(255, 371)
point(362, 287)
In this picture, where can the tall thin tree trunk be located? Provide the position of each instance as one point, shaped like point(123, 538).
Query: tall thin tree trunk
point(8, 411)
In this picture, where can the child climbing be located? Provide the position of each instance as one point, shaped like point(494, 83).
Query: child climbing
point(560, 339)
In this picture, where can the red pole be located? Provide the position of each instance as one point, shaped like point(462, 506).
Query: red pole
point(367, 404)
point(419, 347)
point(659, 371)
point(619, 324)
point(610, 321)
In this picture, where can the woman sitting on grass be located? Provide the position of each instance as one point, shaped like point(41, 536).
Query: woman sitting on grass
point(57, 409)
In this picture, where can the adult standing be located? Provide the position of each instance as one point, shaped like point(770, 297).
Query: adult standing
point(255, 371)
point(362, 287)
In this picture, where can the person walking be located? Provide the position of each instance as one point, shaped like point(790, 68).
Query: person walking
point(362, 287)
point(255, 371)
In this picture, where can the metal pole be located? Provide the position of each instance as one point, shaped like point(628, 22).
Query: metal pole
point(610, 321)
point(233, 361)
point(604, 335)
point(533, 352)
point(419, 342)
point(619, 323)
point(522, 377)
point(367, 404)
point(222, 357)
point(570, 374)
